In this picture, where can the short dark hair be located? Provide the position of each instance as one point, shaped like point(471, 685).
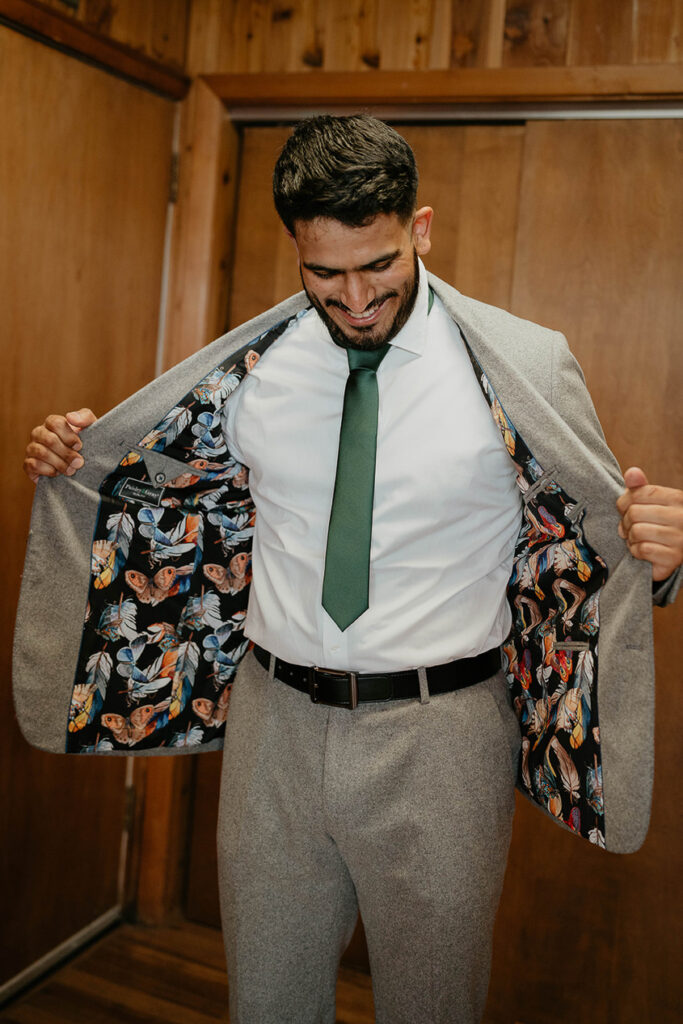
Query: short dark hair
point(347, 168)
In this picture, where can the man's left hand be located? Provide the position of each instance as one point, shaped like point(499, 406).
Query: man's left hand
point(652, 523)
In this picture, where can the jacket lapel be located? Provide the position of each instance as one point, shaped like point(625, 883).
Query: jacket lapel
point(551, 655)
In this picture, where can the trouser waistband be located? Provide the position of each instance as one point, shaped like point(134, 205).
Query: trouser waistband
point(348, 689)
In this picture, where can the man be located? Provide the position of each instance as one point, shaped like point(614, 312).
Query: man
point(395, 435)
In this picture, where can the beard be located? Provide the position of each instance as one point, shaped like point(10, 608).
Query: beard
point(370, 337)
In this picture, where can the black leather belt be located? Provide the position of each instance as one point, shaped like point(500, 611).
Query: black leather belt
point(348, 689)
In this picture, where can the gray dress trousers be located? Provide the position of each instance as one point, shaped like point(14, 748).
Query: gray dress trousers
point(402, 809)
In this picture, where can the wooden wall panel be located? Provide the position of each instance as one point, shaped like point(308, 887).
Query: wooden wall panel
point(227, 34)
point(353, 35)
point(475, 33)
point(598, 256)
point(658, 31)
point(536, 32)
point(406, 40)
point(618, 258)
point(265, 268)
point(202, 228)
point(240, 36)
point(348, 31)
point(157, 28)
point(472, 176)
point(206, 37)
point(84, 169)
point(201, 896)
point(292, 36)
point(600, 32)
point(344, 35)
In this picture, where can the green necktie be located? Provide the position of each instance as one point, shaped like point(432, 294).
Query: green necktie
point(347, 559)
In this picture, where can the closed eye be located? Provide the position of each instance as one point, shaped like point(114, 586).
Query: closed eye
point(376, 267)
point(325, 275)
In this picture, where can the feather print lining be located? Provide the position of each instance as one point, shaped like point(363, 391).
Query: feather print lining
point(170, 579)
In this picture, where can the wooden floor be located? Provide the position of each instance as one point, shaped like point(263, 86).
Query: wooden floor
point(169, 975)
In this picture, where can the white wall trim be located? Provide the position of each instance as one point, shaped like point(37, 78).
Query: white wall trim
point(65, 949)
point(168, 239)
point(431, 112)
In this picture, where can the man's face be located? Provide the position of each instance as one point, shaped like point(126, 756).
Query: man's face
point(362, 281)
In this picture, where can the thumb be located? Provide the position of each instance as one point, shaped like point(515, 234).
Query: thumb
point(80, 418)
point(634, 477)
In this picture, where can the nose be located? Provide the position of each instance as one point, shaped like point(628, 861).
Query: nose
point(357, 293)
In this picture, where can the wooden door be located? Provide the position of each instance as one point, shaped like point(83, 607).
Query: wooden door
point(84, 170)
point(598, 254)
point(575, 225)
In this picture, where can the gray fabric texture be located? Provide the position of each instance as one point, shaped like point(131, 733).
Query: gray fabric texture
point(402, 808)
point(666, 591)
point(542, 390)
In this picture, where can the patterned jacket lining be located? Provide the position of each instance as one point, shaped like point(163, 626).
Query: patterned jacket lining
point(171, 566)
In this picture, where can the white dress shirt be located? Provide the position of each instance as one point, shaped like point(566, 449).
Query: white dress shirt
point(446, 512)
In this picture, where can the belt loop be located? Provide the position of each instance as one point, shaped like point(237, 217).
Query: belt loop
point(424, 685)
point(271, 667)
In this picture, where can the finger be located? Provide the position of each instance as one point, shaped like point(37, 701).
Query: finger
point(669, 536)
point(49, 456)
point(42, 438)
point(660, 557)
point(35, 468)
point(659, 515)
point(635, 477)
point(59, 427)
point(650, 494)
point(80, 418)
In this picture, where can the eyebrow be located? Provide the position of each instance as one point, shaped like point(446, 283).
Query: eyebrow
point(387, 258)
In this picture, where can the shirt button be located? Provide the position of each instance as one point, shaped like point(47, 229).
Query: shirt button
point(334, 648)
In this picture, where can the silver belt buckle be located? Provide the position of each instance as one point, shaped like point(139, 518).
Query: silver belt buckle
point(313, 685)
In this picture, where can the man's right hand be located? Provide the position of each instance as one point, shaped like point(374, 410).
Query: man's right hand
point(54, 445)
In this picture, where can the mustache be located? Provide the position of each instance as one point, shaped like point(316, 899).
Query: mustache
point(371, 305)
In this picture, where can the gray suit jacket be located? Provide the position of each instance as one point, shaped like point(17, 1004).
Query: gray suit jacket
point(136, 650)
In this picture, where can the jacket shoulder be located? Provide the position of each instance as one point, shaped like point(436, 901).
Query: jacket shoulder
point(530, 347)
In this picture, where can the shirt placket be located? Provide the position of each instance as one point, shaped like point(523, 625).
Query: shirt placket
point(335, 646)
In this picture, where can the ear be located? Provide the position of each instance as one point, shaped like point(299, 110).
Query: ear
point(422, 226)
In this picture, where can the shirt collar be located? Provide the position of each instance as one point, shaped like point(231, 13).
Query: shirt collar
point(413, 335)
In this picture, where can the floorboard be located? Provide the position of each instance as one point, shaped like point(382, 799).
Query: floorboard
point(159, 975)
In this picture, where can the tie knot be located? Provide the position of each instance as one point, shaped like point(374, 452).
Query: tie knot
point(366, 359)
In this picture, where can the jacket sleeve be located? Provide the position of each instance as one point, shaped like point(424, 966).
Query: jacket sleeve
point(666, 591)
point(571, 399)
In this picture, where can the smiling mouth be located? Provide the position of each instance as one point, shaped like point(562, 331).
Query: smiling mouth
point(364, 319)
